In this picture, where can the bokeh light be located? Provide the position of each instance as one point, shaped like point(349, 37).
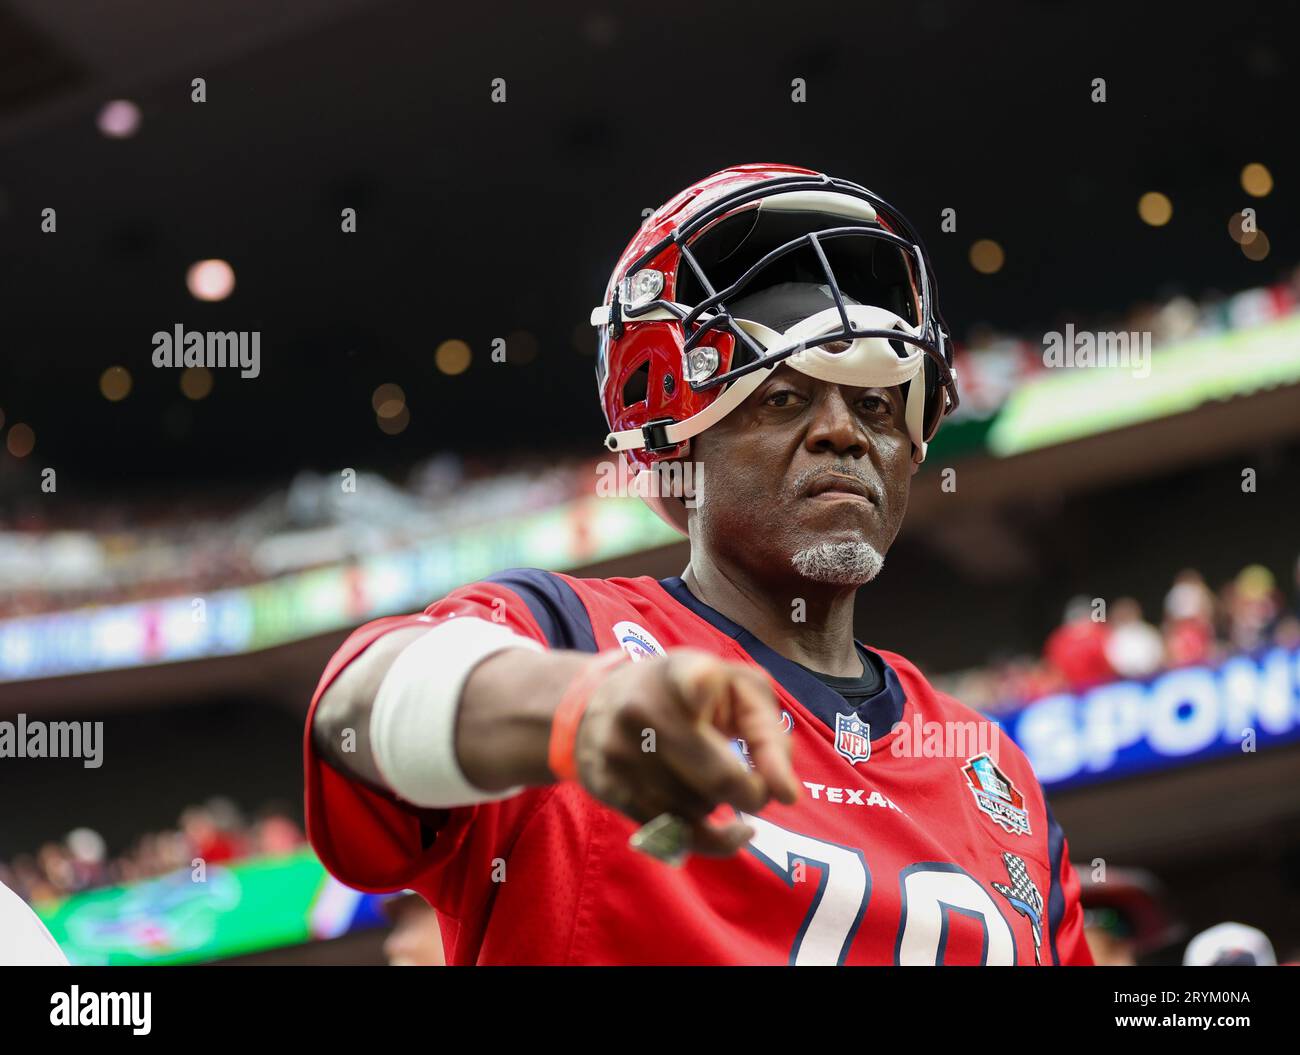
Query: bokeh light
point(395, 424)
point(1235, 232)
point(388, 400)
point(115, 383)
point(21, 440)
point(196, 382)
point(210, 280)
point(452, 357)
point(521, 348)
point(119, 119)
point(1155, 208)
point(986, 257)
point(1256, 180)
point(1257, 248)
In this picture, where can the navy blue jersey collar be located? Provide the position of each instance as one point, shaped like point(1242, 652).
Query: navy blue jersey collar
point(881, 711)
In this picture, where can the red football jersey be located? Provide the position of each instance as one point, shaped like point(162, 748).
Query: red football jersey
point(921, 836)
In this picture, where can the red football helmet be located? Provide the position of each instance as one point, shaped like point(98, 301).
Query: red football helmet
point(751, 267)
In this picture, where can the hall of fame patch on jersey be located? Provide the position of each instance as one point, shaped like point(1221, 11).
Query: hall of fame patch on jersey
point(996, 795)
point(637, 641)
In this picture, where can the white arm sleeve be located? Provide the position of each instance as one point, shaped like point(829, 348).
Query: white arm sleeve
point(413, 721)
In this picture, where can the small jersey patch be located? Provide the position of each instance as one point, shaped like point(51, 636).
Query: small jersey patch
point(996, 795)
point(1024, 898)
point(637, 641)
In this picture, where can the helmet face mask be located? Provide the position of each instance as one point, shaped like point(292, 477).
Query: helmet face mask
point(844, 285)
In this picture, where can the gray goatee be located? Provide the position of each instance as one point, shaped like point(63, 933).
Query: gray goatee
point(839, 563)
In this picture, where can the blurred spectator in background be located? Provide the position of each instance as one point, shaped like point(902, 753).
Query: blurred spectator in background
point(275, 834)
point(1189, 620)
point(88, 854)
point(1135, 648)
point(1287, 633)
point(1230, 945)
point(1252, 605)
point(1197, 630)
point(1077, 648)
point(211, 831)
point(1124, 918)
point(416, 939)
point(1024, 678)
point(55, 864)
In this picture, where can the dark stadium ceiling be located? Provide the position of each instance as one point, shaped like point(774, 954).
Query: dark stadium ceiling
point(477, 220)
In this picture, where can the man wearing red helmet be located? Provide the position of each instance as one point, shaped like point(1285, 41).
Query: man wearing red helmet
point(710, 769)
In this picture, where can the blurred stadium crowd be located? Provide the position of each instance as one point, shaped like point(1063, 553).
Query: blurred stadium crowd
point(1097, 643)
point(993, 365)
point(143, 551)
point(111, 552)
point(217, 832)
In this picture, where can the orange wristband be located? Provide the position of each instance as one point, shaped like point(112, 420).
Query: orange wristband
point(568, 715)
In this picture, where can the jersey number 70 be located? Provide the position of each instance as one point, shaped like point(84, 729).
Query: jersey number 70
point(930, 892)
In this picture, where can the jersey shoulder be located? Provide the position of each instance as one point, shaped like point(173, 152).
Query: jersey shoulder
point(550, 598)
point(559, 586)
point(640, 589)
point(574, 612)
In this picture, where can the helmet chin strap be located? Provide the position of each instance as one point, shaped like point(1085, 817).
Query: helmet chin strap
point(868, 362)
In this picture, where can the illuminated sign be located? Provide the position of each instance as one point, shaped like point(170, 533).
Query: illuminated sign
point(1248, 702)
point(303, 604)
point(261, 903)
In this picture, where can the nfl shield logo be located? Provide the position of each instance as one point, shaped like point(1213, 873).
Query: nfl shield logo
point(852, 738)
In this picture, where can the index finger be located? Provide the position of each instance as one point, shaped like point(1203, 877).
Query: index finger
point(755, 718)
